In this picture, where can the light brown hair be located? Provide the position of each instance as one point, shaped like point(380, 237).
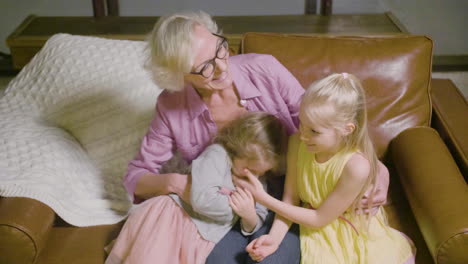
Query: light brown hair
point(255, 136)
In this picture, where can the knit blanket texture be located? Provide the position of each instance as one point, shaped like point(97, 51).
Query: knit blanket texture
point(70, 122)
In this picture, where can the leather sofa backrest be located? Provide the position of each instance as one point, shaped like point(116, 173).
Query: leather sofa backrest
point(395, 71)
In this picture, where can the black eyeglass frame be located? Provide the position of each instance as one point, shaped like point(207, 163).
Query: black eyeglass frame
point(223, 44)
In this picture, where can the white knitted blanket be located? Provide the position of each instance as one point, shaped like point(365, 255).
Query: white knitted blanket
point(71, 121)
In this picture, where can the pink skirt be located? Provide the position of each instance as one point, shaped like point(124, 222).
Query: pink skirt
point(159, 231)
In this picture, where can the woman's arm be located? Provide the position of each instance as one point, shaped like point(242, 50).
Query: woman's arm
point(143, 179)
point(150, 185)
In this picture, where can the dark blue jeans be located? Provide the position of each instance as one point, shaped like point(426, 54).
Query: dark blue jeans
point(231, 249)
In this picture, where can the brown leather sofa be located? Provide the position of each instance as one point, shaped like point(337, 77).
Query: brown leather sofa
point(418, 124)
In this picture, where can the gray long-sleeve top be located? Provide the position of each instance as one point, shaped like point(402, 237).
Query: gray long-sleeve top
point(209, 209)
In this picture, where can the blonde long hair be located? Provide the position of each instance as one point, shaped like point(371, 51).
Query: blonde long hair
point(255, 136)
point(170, 45)
point(335, 101)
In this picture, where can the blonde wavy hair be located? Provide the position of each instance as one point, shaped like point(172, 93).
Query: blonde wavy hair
point(170, 45)
point(333, 102)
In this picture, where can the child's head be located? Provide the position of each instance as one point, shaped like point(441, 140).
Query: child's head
point(333, 117)
point(256, 141)
point(335, 104)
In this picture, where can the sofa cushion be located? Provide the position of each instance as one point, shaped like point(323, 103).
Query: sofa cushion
point(395, 71)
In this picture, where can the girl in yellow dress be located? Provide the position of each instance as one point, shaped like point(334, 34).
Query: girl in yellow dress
point(331, 163)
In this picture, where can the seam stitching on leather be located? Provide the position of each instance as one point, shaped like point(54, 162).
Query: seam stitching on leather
point(443, 243)
point(28, 235)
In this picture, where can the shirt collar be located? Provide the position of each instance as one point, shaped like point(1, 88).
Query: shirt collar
point(195, 104)
point(245, 88)
point(243, 83)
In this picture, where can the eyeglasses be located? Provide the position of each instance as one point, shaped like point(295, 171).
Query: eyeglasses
point(221, 53)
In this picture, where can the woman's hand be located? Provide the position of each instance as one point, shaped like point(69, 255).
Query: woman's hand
point(252, 184)
point(262, 247)
point(379, 191)
point(181, 184)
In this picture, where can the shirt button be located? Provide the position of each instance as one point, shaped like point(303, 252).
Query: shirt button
point(243, 102)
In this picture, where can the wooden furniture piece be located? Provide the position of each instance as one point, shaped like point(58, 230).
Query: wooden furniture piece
point(31, 35)
point(326, 7)
point(311, 7)
point(103, 8)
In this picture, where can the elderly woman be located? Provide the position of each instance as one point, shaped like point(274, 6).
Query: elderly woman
point(205, 89)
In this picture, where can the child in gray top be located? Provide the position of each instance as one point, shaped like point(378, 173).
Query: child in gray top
point(255, 142)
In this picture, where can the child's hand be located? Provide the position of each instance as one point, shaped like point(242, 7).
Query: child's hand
point(252, 184)
point(262, 247)
point(225, 191)
point(243, 203)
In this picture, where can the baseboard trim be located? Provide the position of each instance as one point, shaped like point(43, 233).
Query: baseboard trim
point(443, 63)
point(6, 65)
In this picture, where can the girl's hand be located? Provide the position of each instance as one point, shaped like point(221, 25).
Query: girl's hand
point(225, 191)
point(243, 203)
point(252, 184)
point(262, 247)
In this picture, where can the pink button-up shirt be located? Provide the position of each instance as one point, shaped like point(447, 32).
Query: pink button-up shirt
point(183, 122)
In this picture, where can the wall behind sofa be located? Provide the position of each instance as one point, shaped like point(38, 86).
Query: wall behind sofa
point(443, 20)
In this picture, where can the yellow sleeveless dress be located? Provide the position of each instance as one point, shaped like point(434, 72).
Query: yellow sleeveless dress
point(342, 241)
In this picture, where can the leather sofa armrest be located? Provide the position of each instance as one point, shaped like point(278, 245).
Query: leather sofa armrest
point(450, 111)
point(436, 191)
point(24, 227)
